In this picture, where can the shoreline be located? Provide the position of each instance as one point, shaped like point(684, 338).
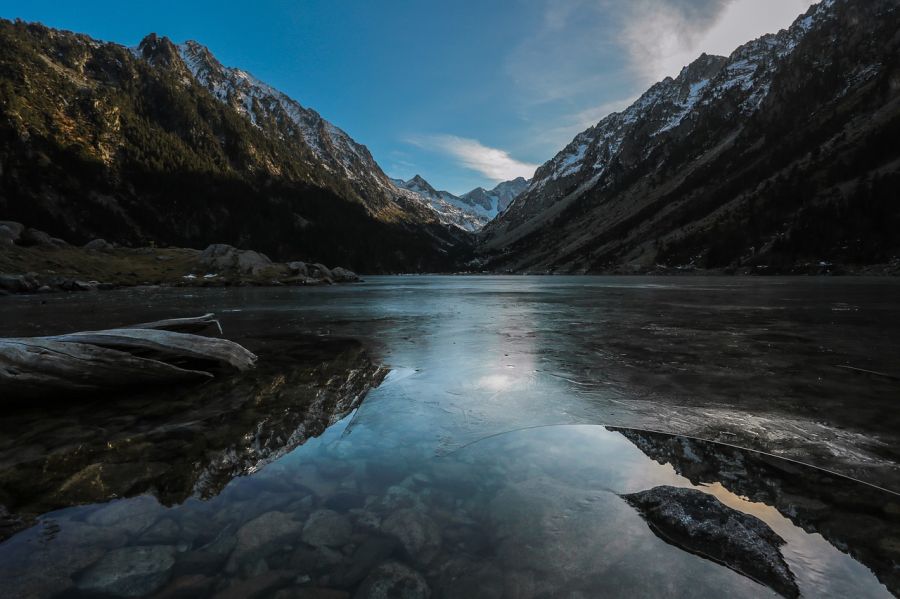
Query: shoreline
point(61, 267)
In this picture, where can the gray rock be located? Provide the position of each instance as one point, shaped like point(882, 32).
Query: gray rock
point(18, 283)
point(393, 580)
point(7, 237)
point(319, 271)
point(419, 535)
point(34, 237)
point(700, 523)
point(326, 528)
point(98, 245)
point(298, 268)
point(342, 275)
point(223, 257)
point(250, 262)
point(15, 228)
point(85, 285)
point(129, 571)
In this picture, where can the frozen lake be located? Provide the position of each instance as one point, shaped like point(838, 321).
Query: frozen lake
point(514, 414)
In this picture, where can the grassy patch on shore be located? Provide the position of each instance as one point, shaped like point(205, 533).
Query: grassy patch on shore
point(120, 267)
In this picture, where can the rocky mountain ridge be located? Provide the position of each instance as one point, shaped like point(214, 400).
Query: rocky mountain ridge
point(470, 211)
point(161, 144)
point(732, 164)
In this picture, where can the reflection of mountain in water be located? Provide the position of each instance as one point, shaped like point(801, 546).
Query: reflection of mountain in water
point(854, 517)
point(181, 442)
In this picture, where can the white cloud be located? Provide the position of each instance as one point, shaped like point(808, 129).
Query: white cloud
point(660, 36)
point(493, 163)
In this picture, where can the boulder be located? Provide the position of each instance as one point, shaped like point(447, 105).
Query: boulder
point(7, 237)
point(320, 271)
point(342, 275)
point(19, 283)
point(98, 245)
point(252, 263)
point(393, 579)
point(129, 571)
point(223, 257)
point(699, 523)
point(16, 229)
point(34, 237)
point(298, 268)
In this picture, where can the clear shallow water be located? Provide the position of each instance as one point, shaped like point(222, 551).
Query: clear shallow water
point(478, 463)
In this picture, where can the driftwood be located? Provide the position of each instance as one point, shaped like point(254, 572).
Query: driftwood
point(165, 345)
point(96, 360)
point(195, 324)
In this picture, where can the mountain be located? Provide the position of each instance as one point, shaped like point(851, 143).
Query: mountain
point(471, 211)
point(450, 209)
point(162, 144)
point(499, 198)
point(779, 158)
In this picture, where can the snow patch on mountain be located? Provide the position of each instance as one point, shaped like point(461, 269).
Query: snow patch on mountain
point(471, 211)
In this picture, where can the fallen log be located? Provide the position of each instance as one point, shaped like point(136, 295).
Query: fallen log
point(97, 360)
point(166, 345)
point(194, 324)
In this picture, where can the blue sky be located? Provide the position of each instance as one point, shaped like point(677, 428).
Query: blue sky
point(465, 93)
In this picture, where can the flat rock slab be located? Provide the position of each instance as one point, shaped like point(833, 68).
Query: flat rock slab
point(701, 524)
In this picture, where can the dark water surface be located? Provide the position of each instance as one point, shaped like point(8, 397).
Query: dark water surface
point(506, 418)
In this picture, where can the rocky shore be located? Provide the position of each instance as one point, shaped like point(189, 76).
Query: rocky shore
point(31, 261)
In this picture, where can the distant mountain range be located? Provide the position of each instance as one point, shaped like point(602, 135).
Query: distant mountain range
point(470, 211)
point(782, 157)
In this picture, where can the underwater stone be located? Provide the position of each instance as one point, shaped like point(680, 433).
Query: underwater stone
point(326, 528)
point(130, 571)
point(393, 580)
point(419, 535)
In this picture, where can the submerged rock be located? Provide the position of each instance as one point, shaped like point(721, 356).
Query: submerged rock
point(130, 516)
point(327, 528)
point(699, 523)
point(419, 535)
point(265, 529)
point(130, 571)
point(393, 580)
